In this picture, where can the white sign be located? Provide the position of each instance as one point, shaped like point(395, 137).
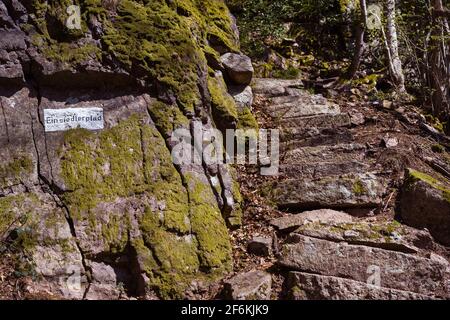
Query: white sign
point(72, 118)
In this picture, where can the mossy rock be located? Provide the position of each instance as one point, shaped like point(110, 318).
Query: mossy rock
point(183, 235)
point(425, 203)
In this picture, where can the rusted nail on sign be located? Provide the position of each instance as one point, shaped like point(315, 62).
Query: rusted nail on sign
point(72, 118)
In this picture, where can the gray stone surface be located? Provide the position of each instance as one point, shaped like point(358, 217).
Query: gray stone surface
point(395, 270)
point(425, 203)
point(252, 285)
point(303, 286)
point(238, 67)
point(294, 221)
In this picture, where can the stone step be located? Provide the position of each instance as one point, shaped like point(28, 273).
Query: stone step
point(340, 192)
point(305, 286)
point(384, 235)
point(322, 216)
point(274, 87)
point(301, 105)
point(325, 153)
point(391, 269)
point(318, 122)
point(293, 139)
point(323, 169)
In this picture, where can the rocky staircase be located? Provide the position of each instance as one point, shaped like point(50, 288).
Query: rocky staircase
point(324, 167)
point(321, 164)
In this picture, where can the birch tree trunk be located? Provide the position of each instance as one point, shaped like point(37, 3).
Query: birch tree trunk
point(395, 64)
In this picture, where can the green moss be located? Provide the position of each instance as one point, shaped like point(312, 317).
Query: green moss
point(131, 159)
point(11, 172)
point(289, 73)
point(209, 228)
point(414, 176)
point(173, 259)
point(71, 53)
point(435, 122)
point(359, 188)
point(438, 148)
point(370, 80)
point(224, 107)
point(167, 118)
point(16, 213)
point(128, 159)
point(246, 120)
point(161, 42)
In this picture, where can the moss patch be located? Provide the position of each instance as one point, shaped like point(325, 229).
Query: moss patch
point(11, 172)
point(209, 229)
point(414, 176)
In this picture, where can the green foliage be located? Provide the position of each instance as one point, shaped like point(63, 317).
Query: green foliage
point(263, 22)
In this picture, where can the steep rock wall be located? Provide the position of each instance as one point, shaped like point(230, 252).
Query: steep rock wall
point(110, 206)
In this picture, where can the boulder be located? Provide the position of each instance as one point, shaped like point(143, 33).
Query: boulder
point(261, 246)
point(425, 203)
point(243, 95)
point(238, 67)
point(252, 285)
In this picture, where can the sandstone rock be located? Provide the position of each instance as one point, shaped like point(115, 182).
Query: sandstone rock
point(243, 95)
point(320, 122)
point(238, 67)
point(274, 87)
point(301, 105)
point(322, 169)
point(361, 263)
point(324, 155)
point(321, 216)
point(357, 118)
point(425, 203)
point(390, 142)
point(389, 236)
point(303, 286)
point(105, 285)
point(252, 285)
point(261, 246)
point(359, 190)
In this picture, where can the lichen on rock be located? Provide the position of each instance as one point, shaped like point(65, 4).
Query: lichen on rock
point(116, 194)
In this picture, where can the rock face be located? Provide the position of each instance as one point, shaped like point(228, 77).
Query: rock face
point(238, 67)
point(252, 285)
point(110, 207)
point(425, 203)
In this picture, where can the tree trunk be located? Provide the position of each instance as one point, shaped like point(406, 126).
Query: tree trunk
point(395, 64)
point(439, 63)
point(359, 42)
